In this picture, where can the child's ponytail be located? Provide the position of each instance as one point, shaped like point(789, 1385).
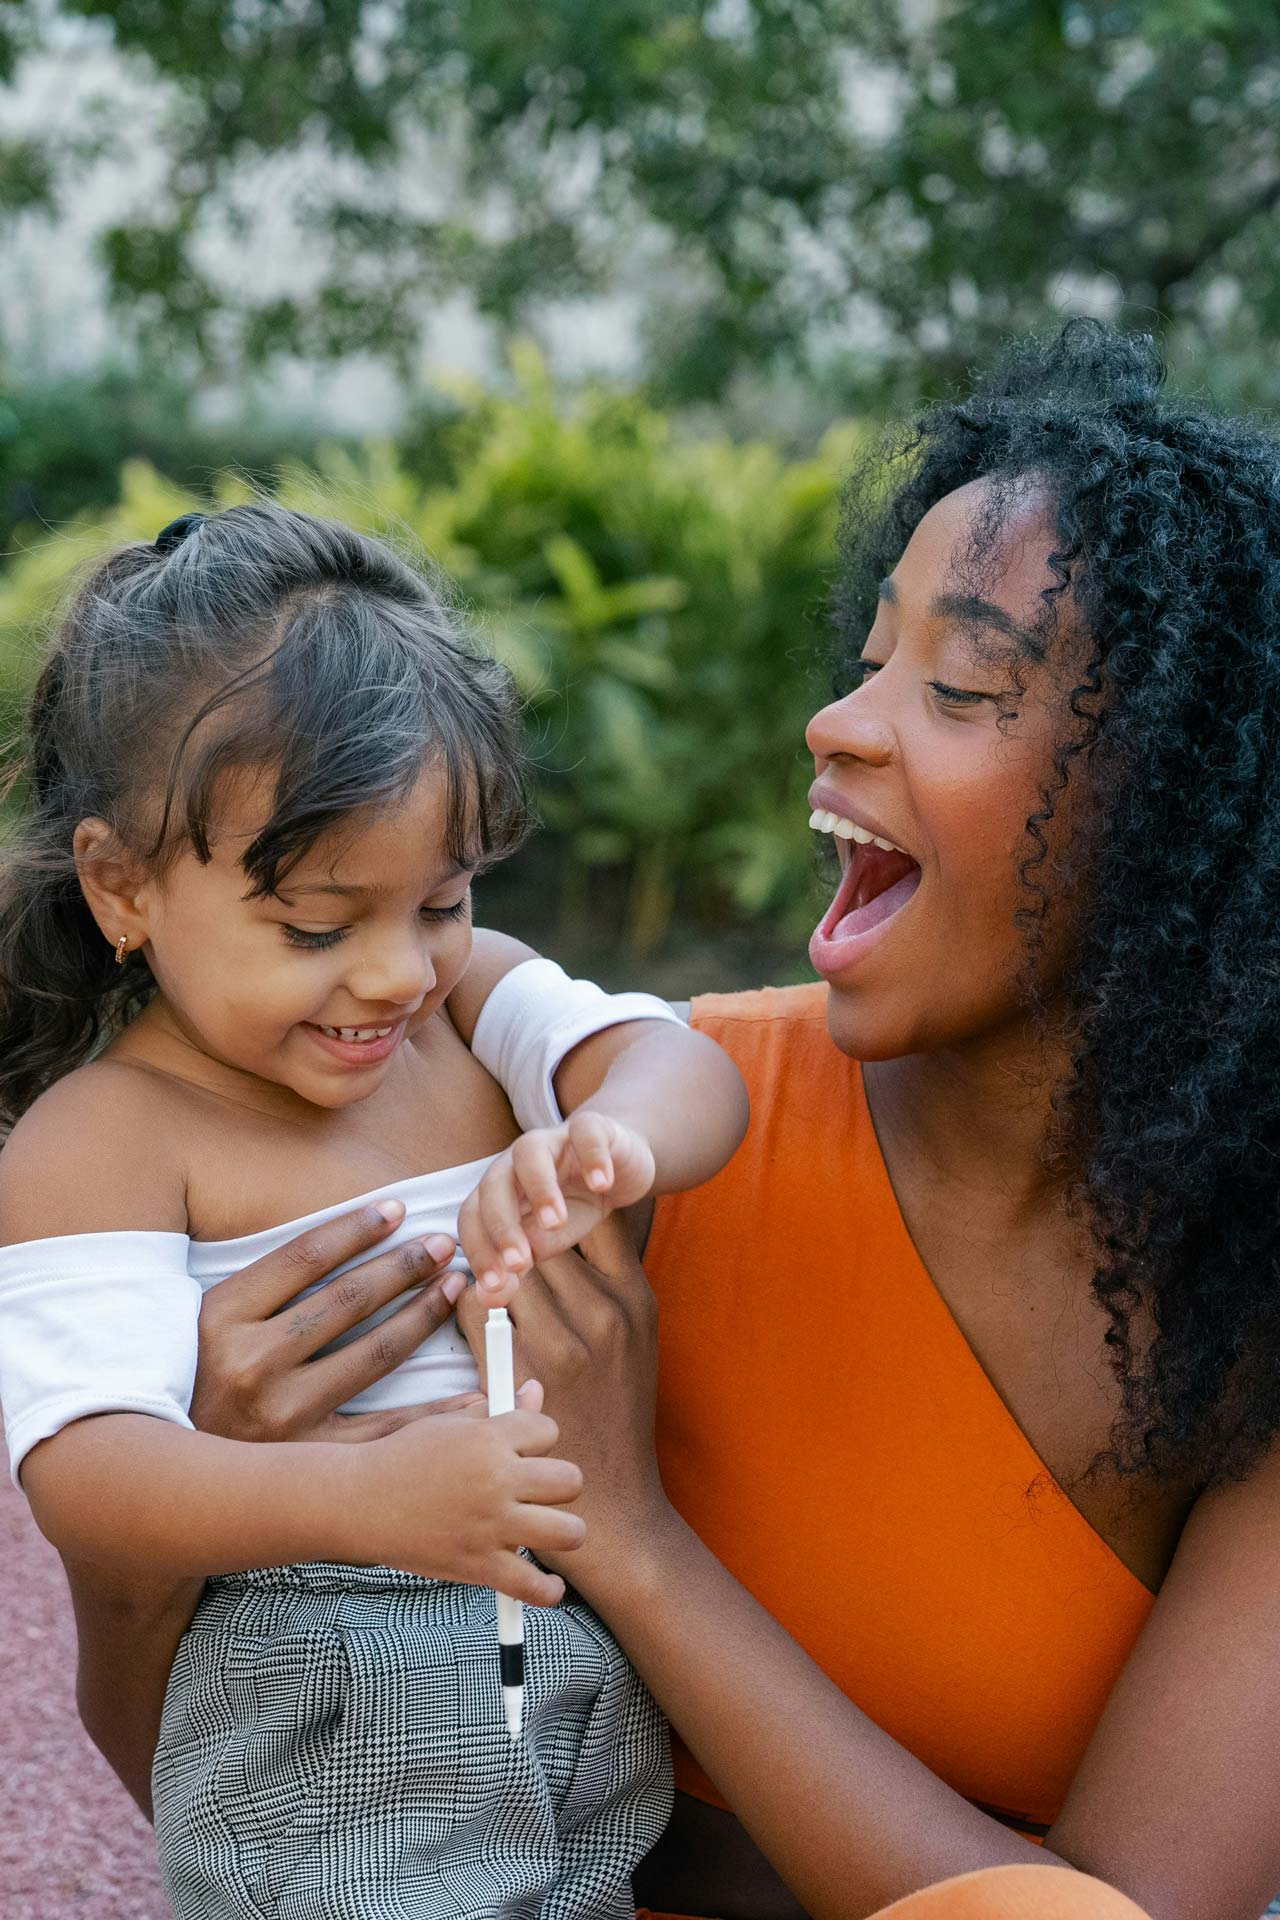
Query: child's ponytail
point(59, 984)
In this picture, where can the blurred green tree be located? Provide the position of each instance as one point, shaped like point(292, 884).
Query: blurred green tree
point(62, 442)
point(863, 193)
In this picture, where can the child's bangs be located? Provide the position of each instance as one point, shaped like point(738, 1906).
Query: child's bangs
point(351, 707)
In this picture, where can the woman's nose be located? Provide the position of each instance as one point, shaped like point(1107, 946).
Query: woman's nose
point(851, 729)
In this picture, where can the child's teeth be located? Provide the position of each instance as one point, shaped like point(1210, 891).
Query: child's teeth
point(356, 1033)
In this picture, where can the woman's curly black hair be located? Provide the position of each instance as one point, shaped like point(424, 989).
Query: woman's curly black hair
point(1167, 552)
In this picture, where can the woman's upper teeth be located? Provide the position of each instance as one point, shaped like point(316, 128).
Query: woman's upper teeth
point(850, 830)
point(356, 1033)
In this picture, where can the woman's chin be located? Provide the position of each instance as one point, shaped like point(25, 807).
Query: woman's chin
point(866, 1032)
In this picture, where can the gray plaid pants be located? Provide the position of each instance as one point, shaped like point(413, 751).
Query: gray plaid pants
point(333, 1748)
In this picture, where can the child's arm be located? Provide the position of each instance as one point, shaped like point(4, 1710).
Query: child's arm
point(651, 1107)
point(454, 1496)
point(676, 1088)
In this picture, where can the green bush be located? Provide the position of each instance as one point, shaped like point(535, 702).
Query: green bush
point(62, 441)
point(659, 600)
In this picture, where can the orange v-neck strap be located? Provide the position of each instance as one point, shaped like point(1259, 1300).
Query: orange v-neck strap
point(827, 1429)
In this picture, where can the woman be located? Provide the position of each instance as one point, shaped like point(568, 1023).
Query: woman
point(974, 1350)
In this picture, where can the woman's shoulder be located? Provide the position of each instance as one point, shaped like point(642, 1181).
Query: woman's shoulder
point(98, 1152)
point(799, 1007)
point(778, 1038)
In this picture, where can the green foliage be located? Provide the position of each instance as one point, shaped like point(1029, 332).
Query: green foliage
point(856, 191)
point(658, 598)
point(62, 442)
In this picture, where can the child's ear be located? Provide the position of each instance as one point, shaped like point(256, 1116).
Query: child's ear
point(113, 883)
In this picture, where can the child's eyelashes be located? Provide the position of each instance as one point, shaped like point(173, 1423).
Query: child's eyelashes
point(313, 942)
point(316, 942)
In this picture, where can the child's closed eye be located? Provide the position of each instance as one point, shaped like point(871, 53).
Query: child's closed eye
point(316, 942)
point(313, 942)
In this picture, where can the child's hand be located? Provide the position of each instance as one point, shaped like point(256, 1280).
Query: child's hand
point(545, 1192)
point(456, 1497)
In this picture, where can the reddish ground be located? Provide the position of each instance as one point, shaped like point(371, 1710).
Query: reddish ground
point(72, 1844)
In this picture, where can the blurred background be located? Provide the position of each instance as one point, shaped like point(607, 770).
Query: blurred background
point(596, 301)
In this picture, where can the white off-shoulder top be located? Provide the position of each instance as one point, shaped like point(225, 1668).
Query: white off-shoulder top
point(107, 1322)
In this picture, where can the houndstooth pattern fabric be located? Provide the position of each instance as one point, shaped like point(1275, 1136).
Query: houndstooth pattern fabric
point(333, 1748)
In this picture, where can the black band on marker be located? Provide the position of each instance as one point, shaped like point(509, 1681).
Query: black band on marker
point(511, 1664)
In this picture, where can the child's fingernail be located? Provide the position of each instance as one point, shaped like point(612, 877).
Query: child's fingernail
point(549, 1217)
point(438, 1245)
point(391, 1210)
point(490, 1280)
point(597, 1177)
point(512, 1257)
point(453, 1286)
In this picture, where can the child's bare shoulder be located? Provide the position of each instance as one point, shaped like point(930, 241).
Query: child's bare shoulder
point(100, 1152)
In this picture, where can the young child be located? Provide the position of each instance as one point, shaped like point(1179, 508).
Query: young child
point(239, 990)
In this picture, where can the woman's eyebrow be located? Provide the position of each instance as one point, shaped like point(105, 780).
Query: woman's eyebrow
point(972, 611)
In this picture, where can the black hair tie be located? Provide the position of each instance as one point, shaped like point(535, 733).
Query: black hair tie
point(177, 530)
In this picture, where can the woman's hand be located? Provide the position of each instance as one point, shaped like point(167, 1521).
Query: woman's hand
point(258, 1378)
point(588, 1328)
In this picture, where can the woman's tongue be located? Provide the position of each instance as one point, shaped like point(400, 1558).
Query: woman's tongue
point(875, 885)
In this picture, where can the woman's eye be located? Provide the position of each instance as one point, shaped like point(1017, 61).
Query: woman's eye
point(458, 911)
point(861, 671)
point(314, 942)
point(957, 696)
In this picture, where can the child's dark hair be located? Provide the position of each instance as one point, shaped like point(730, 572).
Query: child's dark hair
point(254, 638)
point(1166, 558)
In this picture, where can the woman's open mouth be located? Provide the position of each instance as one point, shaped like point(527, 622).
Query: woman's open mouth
point(874, 887)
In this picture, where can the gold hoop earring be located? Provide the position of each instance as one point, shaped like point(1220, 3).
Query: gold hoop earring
point(122, 947)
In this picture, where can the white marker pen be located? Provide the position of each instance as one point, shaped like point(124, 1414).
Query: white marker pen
point(500, 1368)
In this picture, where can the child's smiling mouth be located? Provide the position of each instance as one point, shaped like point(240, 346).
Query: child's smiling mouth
point(357, 1046)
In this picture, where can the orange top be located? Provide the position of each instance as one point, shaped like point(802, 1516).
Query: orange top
point(827, 1430)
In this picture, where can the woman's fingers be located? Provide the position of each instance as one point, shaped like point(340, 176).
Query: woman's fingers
point(337, 1377)
point(531, 1310)
point(342, 1303)
point(355, 1427)
point(607, 1264)
point(268, 1284)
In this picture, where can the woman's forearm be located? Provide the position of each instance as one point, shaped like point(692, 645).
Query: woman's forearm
point(848, 1818)
point(148, 1498)
point(127, 1633)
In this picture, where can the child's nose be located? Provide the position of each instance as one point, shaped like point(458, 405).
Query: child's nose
point(399, 974)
